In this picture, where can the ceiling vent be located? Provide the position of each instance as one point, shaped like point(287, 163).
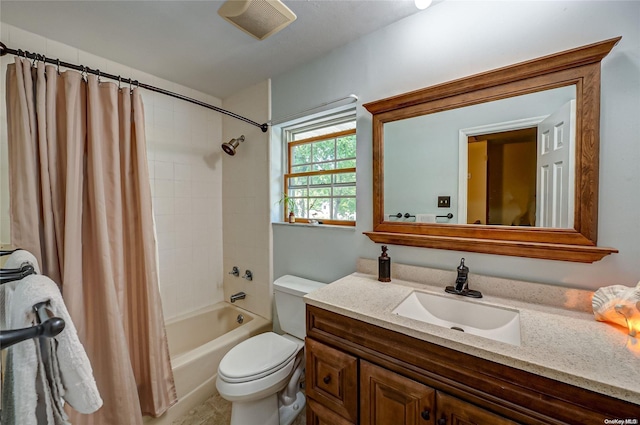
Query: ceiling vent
point(260, 18)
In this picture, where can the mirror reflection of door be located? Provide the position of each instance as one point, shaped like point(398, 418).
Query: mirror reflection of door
point(501, 187)
point(427, 156)
point(556, 175)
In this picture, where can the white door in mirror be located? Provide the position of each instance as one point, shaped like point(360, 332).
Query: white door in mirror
point(556, 174)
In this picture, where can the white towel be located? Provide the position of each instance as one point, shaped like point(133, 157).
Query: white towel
point(425, 218)
point(15, 261)
point(19, 257)
point(62, 358)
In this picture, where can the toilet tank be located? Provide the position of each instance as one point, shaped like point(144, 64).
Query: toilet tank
point(288, 292)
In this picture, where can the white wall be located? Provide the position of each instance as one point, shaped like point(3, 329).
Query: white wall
point(451, 40)
point(186, 176)
point(245, 200)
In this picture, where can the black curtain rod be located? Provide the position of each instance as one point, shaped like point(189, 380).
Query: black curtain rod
point(42, 58)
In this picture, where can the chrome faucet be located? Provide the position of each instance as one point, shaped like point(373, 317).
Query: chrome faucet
point(462, 283)
point(238, 296)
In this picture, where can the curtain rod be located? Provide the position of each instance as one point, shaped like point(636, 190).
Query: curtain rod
point(42, 58)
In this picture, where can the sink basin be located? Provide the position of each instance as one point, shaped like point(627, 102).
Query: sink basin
point(497, 323)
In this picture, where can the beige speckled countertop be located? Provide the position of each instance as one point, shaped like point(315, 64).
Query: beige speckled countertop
point(558, 343)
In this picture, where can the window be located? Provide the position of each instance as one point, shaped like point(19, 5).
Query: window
point(321, 170)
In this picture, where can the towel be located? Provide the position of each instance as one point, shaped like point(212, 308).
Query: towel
point(425, 218)
point(19, 257)
point(15, 261)
point(44, 373)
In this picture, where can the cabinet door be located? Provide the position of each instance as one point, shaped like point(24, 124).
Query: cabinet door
point(387, 398)
point(332, 379)
point(317, 414)
point(452, 411)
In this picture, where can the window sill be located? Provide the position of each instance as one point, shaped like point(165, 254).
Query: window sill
point(317, 226)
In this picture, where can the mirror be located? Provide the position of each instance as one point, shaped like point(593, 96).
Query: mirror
point(484, 158)
point(456, 161)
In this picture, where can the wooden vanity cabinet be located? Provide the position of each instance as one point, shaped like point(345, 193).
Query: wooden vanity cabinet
point(317, 414)
point(358, 373)
point(386, 398)
point(457, 412)
point(332, 379)
point(389, 398)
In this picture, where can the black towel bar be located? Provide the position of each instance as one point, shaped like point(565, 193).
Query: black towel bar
point(48, 327)
point(10, 275)
point(449, 216)
point(407, 215)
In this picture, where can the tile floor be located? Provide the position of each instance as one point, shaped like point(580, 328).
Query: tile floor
point(217, 411)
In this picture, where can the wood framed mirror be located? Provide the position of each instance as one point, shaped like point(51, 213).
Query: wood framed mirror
point(576, 71)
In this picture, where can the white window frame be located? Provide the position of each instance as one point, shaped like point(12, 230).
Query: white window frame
point(304, 126)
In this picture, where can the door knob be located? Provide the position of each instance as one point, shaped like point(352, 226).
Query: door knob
point(442, 421)
point(425, 415)
point(326, 379)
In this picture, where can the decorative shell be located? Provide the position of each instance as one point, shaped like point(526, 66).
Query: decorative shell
point(618, 304)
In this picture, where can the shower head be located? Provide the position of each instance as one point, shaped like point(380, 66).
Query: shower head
point(231, 146)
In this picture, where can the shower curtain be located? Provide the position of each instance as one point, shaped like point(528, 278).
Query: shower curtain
point(81, 203)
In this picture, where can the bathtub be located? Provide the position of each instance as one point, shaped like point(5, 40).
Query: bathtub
point(197, 343)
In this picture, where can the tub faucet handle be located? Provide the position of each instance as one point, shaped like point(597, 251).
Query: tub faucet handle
point(248, 275)
point(235, 271)
point(238, 296)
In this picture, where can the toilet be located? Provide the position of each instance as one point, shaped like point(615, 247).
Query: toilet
point(261, 375)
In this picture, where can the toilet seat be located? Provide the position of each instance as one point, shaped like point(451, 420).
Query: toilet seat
point(257, 357)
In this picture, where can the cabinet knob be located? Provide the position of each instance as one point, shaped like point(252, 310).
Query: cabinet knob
point(442, 421)
point(326, 379)
point(425, 415)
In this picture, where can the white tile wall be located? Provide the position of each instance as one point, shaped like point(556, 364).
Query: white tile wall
point(245, 194)
point(183, 146)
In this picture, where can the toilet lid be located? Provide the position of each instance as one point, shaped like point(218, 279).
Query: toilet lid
point(257, 357)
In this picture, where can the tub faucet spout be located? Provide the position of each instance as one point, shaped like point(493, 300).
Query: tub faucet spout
point(238, 296)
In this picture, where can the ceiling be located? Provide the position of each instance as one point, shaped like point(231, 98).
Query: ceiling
point(187, 42)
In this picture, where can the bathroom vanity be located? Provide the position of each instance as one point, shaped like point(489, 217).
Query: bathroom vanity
point(366, 364)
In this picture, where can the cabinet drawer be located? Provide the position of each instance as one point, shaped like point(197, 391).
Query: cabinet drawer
point(389, 398)
point(454, 411)
point(317, 414)
point(332, 379)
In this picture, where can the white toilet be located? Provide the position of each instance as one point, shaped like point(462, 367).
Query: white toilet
point(261, 375)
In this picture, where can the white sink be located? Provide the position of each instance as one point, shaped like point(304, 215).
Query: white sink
point(497, 323)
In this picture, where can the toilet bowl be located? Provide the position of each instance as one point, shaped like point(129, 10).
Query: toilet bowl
point(261, 376)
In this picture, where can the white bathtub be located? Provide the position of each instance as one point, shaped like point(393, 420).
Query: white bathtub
point(197, 343)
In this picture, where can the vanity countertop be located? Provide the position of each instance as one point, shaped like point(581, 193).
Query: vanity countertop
point(561, 344)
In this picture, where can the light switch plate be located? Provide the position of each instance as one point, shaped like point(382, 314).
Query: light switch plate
point(444, 201)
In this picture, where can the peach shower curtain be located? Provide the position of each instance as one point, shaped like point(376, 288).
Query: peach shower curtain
point(81, 203)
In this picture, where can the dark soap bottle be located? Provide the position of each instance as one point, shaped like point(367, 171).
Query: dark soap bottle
point(384, 266)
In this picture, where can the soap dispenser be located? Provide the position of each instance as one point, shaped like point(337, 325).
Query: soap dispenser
point(384, 266)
